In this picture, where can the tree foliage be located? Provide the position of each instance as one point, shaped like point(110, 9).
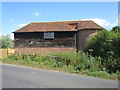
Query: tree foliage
point(106, 44)
point(5, 41)
point(116, 29)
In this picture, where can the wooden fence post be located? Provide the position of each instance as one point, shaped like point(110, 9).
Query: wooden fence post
point(7, 52)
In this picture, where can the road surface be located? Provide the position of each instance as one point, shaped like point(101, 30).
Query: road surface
point(25, 77)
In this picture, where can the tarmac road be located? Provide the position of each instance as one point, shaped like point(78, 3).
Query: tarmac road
point(26, 77)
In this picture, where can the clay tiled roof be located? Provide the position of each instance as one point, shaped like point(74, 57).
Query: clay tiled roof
point(59, 26)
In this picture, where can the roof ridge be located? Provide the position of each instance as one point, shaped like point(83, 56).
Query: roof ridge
point(60, 21)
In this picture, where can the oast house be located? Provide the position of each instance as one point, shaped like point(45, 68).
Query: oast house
point(59, 36)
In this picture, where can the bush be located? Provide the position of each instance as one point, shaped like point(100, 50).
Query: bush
point(88, 62)
point(58, 64)
point(67, 58)
point(106, 44)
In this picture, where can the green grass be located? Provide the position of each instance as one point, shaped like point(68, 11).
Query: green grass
point(100, 74)
point(77, 63)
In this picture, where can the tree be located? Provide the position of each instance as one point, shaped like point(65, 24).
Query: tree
point(6, 41)
point(106, 44)
point(116, 29)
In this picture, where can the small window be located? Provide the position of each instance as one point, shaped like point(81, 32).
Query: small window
point(48, 35)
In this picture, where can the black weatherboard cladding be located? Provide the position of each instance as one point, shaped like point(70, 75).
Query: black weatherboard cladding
point(36, 39)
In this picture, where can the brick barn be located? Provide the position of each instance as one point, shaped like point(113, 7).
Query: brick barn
point(60, 36)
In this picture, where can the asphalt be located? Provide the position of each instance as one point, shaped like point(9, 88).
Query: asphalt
point(25, 77)
point(0, 76)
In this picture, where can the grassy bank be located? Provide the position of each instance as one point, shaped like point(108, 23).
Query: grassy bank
point(78, 63)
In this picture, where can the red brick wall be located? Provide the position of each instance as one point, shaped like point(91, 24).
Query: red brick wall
point(42, 50)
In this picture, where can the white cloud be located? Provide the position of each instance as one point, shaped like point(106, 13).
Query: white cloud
point(21, 25)
point(104, 22)
point(12, 20)
point(12, 36)
point(116, 23)
point(37, 14)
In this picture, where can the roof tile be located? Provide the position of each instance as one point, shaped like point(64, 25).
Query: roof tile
point(59, 26)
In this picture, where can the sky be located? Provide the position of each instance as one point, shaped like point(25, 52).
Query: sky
point(119, 13)
point(18, 14)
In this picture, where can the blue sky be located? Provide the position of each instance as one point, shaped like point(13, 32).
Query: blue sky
point(17, 14)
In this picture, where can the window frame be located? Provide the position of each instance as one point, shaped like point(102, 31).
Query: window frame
point(48, 35)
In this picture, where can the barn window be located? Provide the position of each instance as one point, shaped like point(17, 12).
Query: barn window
point(48, 35)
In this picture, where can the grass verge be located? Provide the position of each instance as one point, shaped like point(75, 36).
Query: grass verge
point(80, 64)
